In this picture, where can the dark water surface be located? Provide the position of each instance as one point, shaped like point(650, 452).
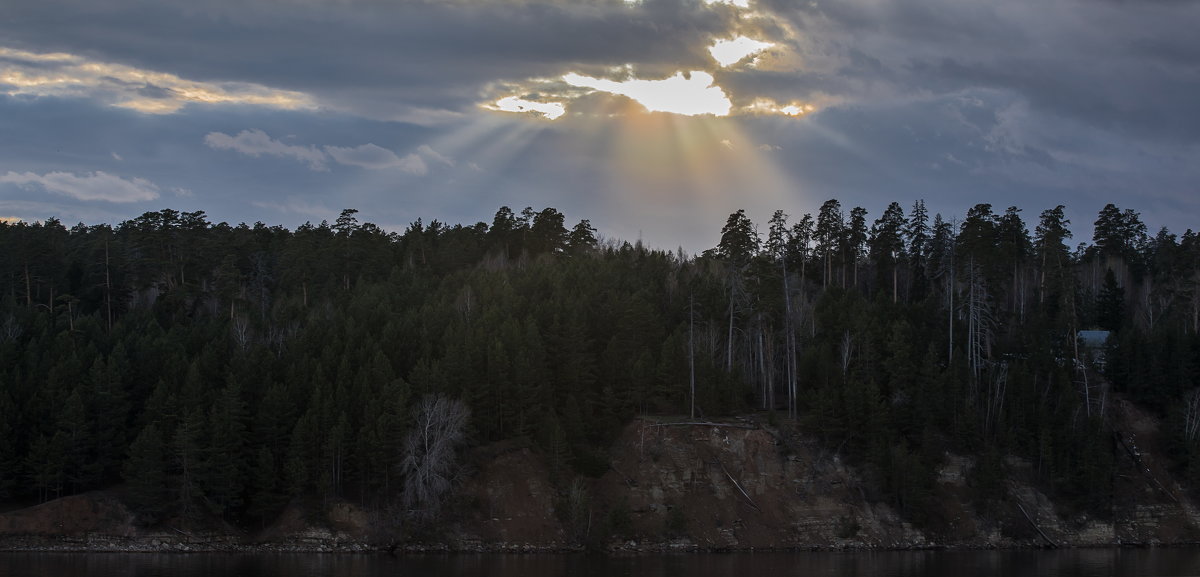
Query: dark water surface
point(1073, 563)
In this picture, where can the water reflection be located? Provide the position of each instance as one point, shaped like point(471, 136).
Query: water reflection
point(1069, 563)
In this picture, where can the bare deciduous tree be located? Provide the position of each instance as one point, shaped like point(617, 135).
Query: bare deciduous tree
point(430, 465)
point(241, 332)
point(1191, 415)
point(980, 322)
point(10, 329)
point(847, 352)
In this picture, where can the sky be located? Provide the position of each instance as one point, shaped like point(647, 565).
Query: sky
point(654, 119)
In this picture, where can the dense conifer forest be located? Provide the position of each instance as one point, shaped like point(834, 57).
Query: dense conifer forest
point(222, 370)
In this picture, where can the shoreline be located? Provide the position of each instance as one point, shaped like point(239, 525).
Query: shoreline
point(161, 545)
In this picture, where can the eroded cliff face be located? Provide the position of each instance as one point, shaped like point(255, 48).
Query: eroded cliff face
point(731, 486)
point(705, 486)
point(742, 485)
point(736, 484)
point(511, 503)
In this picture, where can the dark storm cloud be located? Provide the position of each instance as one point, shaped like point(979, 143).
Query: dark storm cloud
point(981, 145)
point(375, 57)
point(1129, 67)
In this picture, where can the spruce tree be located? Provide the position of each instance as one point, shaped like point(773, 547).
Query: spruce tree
point(1110, 304)
point(145, 471)
point(8, 439)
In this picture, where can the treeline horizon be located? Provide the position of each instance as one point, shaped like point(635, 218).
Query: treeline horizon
point(230, 369)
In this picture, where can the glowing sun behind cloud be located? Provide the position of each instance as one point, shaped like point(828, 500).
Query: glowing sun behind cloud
point(550, 110)
point(691, 95)
point(730, 52)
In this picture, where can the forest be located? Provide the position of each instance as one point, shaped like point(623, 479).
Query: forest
point(219, 370)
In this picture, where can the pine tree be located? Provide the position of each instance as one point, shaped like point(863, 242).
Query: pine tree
point(503, 230)
point(1110, 305)
point(8, 439)
point(555, 445)
point(887, 248)
point(739, 240)
point(302, 454)
point(1015, 248)
point(777, 236)
point(266, 499)
point(46, 463)
point(917, 239)
point(800, 246)
point(854, 243)
point(79, 465)
point(828, 235)
point(1053, 256)
point(145, 472)
point(109, 409)
point(582, 238)
point(547, 233)
point(224, 466)
point(186, 451)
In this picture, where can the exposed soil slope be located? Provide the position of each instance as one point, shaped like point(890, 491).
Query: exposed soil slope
point(736, 484)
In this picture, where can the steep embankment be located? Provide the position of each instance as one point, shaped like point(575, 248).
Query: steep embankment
point(741, 485)
point(730, 485)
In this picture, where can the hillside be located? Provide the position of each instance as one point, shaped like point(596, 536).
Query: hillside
point(955, 377)
point(739, 484)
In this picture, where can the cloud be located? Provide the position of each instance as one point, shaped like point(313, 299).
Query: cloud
point(377, 158)
point(428, 152)
point(1078, 100)
point(1060, 56)
point(256, 143)
point(371, 156)
point(93, 186)
point(60, 74)
point(382, 60)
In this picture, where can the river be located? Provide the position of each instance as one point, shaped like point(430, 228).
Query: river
point(1062, 563)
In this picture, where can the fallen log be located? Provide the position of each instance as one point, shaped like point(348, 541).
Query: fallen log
point(739, 487)
point(1035, 526)
point(703, 424)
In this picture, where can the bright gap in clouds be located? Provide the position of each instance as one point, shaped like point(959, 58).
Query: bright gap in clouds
point(738, 3)
point(692, 95)
point(550, 110)
point(729, 52)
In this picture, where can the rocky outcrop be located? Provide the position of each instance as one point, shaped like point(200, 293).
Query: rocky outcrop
point(732, 486)
point(739, 486)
